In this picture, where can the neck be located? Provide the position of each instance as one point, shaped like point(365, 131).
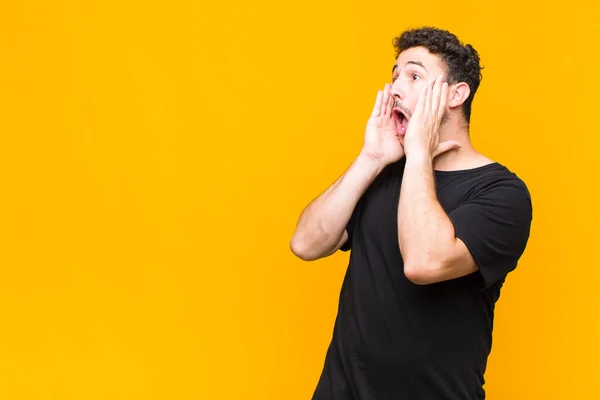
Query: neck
point(463, 158)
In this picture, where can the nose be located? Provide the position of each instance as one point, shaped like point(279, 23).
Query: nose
point(397, 92)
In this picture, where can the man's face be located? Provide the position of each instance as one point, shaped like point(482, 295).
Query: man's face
point(413, 69)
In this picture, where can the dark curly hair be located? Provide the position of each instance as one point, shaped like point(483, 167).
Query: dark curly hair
point(462, 61)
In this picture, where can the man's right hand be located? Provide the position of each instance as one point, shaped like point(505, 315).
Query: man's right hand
point(382, 142)
point(321, 229)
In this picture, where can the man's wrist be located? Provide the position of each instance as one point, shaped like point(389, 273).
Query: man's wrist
point(419, 159)
point(369, 162)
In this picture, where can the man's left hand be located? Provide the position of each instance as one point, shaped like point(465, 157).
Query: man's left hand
point(422, 134)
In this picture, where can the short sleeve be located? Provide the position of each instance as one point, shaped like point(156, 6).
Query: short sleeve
point(495, 227)
point(351, 224)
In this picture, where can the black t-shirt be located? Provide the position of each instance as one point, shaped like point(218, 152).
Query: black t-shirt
point(394, 339)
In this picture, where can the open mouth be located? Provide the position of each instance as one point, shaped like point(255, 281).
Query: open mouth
point(401, 118)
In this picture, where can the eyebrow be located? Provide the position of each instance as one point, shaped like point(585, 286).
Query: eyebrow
point(419, 63)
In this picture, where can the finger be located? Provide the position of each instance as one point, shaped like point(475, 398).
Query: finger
point(435, 97)
point(377, 106)
point(428, 95)
point(443, 101)
point(446, 146)
point(390, 105)
point(386, 101)
point(420, 107)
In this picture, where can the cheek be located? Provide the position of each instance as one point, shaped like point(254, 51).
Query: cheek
point(413, 98)
point(412, 103)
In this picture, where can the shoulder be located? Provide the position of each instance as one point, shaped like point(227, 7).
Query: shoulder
point(502, 189)
point(498, 179)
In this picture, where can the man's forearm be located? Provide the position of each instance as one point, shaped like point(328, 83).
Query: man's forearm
point(323, 221)
point(425, 232)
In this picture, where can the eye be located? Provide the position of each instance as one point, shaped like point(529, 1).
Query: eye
point(415, 77)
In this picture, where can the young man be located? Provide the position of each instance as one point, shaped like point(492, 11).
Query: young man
point(433, 227)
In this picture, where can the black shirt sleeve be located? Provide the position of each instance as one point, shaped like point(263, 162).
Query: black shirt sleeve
point(495, 227)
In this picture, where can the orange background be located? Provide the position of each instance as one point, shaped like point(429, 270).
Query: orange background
point(155, 156)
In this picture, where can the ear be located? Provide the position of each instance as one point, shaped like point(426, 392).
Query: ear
point(459, 93)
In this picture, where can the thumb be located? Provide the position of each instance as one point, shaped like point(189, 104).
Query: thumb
point(446, 146)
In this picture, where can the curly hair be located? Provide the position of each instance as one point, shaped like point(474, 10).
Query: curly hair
point(462, 61)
